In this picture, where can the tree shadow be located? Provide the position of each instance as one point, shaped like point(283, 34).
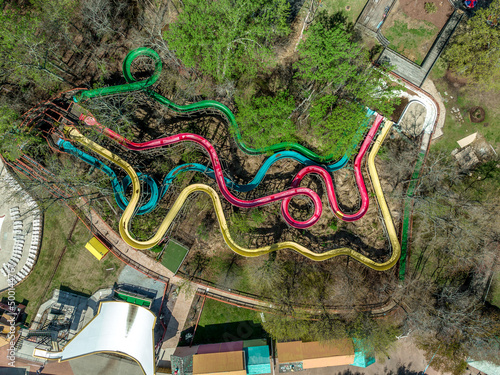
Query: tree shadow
point(227, 332)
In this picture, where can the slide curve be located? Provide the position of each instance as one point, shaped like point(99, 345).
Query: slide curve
point(134, 85)
point(118, 188)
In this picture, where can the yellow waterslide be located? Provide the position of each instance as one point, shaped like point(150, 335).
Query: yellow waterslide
point(136, 191)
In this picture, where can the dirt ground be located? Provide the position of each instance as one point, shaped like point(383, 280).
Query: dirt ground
point(413, 14)
point(415, 10)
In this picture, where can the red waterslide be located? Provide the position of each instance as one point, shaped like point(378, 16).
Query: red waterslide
point(284, 196)
point(329, 183)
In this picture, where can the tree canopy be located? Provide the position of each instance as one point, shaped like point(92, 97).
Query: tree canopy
point(344, 82)
point(266, 120)
point(226, 38)
point(328, 54)
point(475, 49)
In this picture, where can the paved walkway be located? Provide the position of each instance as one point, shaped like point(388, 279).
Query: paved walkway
point(179, 316)
point(412, 72)
point(431, 89)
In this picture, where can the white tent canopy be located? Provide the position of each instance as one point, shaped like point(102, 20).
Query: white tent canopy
point(118, 327)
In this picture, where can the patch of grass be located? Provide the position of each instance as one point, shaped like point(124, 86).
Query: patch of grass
point(215, 312)
point(333, 225)
point(407, 41)
point(334, 6)
point(78, 270)
point(454, 131)
point(439, 69)
point(220, 322)
point(430, 8)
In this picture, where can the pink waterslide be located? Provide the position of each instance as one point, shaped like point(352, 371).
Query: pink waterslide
point(219, 177)
point(284, 196)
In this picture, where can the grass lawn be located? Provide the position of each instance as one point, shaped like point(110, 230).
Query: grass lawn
point(220, 322)
point(78, 269)
point(407, 40)
point(334, 6)
point(173, 256)
point(464, 100)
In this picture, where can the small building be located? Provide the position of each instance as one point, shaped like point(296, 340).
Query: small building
point(257, 360)
point(464, 142)
point(250, 357)
point(223, 347)
point(336, 353)
point(289, 352)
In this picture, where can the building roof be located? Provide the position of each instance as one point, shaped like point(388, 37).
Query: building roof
point(316, 354)
point(363, 354)
point(228, 363)
point(334, 348)
point(184, 351)
point(290, 351)
point(118, 327)
point(221, 347)
point(257, 360)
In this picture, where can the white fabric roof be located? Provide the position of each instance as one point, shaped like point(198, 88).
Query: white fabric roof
point(119, 327)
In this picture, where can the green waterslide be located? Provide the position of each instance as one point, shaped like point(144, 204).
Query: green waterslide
point(144, 85)
point(407, 214)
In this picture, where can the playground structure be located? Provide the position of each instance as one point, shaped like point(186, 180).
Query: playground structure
point(299, 153)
